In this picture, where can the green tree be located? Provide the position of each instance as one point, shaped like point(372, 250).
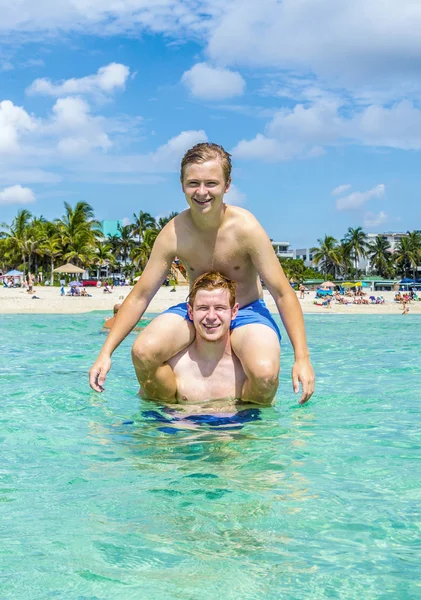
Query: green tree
point(78, 231)
point(379, 253)
point(356, 240)
point(104, 256)
point(407, 255)
point(142, 222)
point(327, 255)
point(17, 237)
point(126, 241)
point(162, 221)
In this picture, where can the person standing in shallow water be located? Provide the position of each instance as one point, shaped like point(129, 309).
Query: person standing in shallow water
point(207, 370)
point(213, 236)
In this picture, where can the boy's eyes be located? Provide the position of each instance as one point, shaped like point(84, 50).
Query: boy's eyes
point(216, 307)
point(196, 183)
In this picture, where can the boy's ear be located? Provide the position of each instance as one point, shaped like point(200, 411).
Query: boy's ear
point(234, 311)
point(227, 185)
point(190, 311)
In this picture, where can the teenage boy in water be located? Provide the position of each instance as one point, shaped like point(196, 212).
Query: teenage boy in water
point(207, 369)
point(212, 236)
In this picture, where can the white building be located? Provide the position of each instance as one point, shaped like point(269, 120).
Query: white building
point(306, 256)
point(282, 249)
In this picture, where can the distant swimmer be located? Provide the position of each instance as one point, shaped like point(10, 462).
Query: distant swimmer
point(213, 236)
point(207, 369)
point(109, 322)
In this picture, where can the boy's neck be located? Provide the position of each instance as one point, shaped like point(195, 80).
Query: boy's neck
point(211, 221)
point(212, 351)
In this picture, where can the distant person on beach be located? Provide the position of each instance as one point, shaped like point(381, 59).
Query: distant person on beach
point(302, 289)
point(207, 369)
point(211, 235)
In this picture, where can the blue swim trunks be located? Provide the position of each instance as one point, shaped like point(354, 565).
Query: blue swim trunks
point(256, 312)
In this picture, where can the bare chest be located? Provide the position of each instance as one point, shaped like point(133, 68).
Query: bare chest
point(196, 383)
point(220, 253)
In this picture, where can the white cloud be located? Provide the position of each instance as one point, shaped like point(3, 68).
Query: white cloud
point(267, 149)
point(364, 46)
point(396, 127)
point(358, 199)
point(16, 194)
point(374, 219)
point(107, 79)
point(297, 131)
point(79, 130)
point(10, 175)
point(14, 121)
point(341, 189)
point(361, 44)
point(171, 153)
point(318, 124)
point(234, 196)
point(213, 83)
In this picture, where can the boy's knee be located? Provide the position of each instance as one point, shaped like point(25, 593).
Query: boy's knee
point(264, 377)
point(146, 351)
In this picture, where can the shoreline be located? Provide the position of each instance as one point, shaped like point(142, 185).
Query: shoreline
point(49, 301)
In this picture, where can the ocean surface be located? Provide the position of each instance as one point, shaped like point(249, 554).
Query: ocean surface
point(102, 497)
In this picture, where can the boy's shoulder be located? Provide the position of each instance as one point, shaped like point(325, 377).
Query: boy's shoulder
point(242, 219)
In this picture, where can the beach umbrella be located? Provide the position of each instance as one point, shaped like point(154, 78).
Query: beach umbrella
point(328, 284)
point(13, 273)
point(69, 268)
point(348, 284)
point(75, 284)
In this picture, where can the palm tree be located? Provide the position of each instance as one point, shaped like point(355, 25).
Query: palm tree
point(345, 260)
point(51, 248)
point(78, 230)
point(162, 221)
point(140, 254)
point(17, 236)
point(356, 239)
point(142, 222)
point(406, 255)
point(104, 256)
point(379, 253)
point(414, 238)
point(126, 242)
point(327, 255)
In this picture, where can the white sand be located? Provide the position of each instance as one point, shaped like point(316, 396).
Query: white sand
point(17, 300)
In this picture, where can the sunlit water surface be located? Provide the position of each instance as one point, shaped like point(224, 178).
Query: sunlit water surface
point(99, 501)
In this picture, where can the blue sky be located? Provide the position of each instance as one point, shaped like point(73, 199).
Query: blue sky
point(318, 102)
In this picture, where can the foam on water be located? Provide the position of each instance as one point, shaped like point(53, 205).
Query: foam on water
point(320, 501)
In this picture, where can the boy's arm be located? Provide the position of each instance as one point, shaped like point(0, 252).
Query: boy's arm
point(136, 303)
point(267, 264)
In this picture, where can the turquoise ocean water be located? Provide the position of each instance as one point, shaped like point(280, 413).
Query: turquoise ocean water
point(99, 501)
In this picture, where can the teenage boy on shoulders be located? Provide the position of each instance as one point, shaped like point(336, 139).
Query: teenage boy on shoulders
point(213, 236)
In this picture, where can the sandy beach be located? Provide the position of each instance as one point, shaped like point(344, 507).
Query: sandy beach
point(18, 301)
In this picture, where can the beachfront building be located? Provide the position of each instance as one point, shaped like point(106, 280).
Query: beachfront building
point(110, 227)
point(282, 249)
point(306, 256)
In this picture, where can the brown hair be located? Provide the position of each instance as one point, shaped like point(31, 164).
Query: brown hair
point(201, 153)
point(212, 281)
